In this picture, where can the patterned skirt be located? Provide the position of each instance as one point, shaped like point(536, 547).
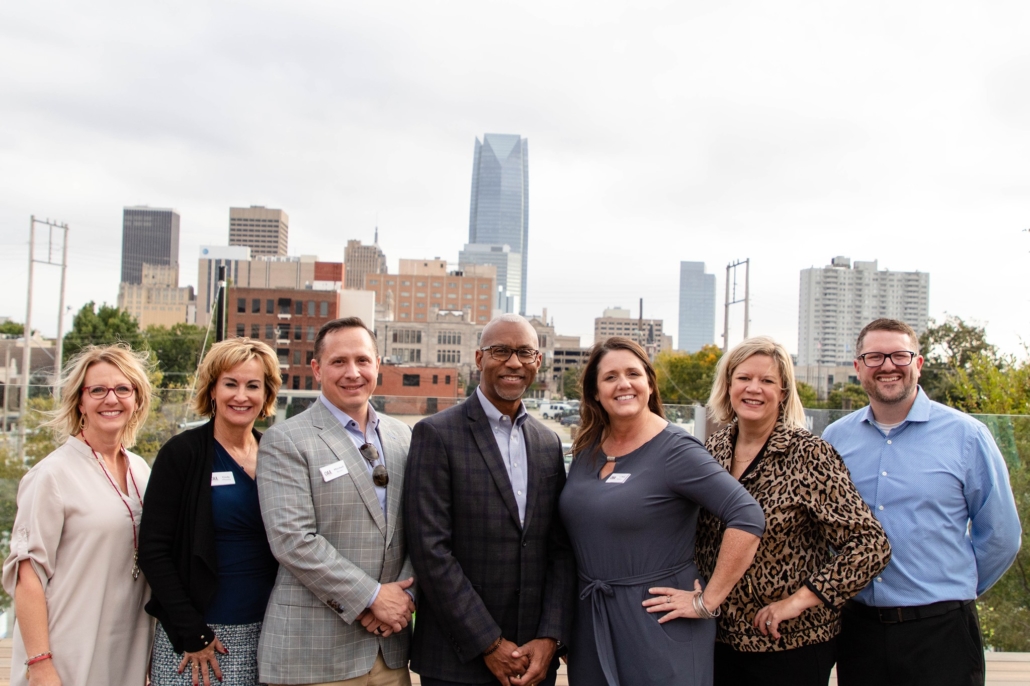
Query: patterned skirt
point(239, 667)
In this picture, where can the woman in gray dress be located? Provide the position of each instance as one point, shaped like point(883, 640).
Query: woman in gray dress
point(630, 507)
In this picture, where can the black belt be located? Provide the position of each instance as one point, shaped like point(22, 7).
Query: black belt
point(895, 615)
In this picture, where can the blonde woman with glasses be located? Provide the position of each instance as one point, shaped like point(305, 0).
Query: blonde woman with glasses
point(78, 592)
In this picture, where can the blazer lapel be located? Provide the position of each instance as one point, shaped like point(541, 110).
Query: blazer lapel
point(394, 449)
point(536, 461)
point(492, 455)
point(339, 441)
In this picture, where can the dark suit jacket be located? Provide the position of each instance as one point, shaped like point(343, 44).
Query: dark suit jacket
point(480, 573)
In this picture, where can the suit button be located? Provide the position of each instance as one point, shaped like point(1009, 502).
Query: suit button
point(525, 543)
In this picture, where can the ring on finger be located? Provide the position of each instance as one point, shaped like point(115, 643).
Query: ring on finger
point(668, 598)
point(768, 622)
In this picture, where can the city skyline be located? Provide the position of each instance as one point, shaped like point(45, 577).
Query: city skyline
point(786, 134)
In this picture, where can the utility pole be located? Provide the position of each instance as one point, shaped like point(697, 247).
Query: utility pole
point(746, 300)
point(26, 359)
point(220, 307)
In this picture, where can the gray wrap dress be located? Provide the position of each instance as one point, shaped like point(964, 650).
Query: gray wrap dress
point(633, 531)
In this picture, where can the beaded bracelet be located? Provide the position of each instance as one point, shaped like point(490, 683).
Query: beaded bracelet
point(493, 646)
point(37, 658)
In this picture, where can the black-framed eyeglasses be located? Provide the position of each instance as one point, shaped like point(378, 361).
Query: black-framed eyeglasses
point(900, 358)
point(100, 392)
point(380, 477)
point(503, 353)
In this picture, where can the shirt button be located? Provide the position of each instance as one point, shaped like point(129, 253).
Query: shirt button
point(516, 464)
point(888, 442)
point(520, 493)
point(884, 473)
point(879, 579)
point(880, 507)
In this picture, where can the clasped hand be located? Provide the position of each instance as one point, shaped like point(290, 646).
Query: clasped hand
point(525, 665)
point(391, 610)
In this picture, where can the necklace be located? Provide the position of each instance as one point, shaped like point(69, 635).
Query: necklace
point(128, 468)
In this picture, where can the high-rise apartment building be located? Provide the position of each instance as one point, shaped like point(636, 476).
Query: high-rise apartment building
point(836, 301)
point(149, 236)
point(499, 211)
point(509, 271)
point(617, 321)
point(264, 230)
point(697, 307)
point(360, 260)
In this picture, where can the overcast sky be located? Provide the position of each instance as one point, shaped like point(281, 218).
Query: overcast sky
point(785, 132)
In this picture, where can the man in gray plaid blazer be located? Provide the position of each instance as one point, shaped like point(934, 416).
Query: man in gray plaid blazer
point(495, 571)
point(330, 482)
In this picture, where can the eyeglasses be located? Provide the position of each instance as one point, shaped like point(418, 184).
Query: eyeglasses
point(900, 358)
point(100, 392)
point(380, 477)
point(503, 353)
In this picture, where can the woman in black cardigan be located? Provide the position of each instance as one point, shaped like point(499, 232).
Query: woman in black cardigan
point(202, 543)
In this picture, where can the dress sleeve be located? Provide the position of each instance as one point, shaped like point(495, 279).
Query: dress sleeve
point(37, 527)
point(847, 524)
point(694, 474)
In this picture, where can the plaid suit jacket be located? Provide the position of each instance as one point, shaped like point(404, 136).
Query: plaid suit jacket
point(333, 545)
point(480, 573)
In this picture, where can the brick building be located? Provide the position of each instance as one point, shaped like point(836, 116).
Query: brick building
point(423, 285)
point(404, 389)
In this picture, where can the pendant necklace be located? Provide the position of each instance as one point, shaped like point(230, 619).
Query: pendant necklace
point(128, 468)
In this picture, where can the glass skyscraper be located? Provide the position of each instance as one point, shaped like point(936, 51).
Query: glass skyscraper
point(499, 212)
point(697, 307)
point(149, 236)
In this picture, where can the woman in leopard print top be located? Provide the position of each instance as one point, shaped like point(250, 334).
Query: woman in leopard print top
point(821, 546)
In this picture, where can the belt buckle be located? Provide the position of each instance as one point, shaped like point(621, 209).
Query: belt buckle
point(890, 615)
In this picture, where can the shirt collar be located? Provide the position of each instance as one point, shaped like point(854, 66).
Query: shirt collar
point(919, 412)
point(494, 415)
point(349, 422)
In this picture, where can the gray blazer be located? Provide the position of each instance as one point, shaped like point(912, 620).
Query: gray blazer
point(333, 545)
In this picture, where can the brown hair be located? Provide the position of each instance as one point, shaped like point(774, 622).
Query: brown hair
point(225, 355)
point(895, 325)
point(66, 419)
point(719, 407)
point(595, 423)
point(343, 323)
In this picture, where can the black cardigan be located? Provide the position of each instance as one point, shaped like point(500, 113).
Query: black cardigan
point(177, 538)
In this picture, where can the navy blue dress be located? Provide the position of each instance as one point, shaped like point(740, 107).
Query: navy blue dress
point(636, 531)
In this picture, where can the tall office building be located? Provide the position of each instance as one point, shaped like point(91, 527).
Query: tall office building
point(359, 260)
point(265, 231)
point(836, 301)
point(509, 271)
point(149, 236)
point(617, 321)
point(499, 212)
point(697, 307)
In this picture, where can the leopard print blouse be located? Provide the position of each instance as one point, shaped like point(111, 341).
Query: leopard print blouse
point(818, 532)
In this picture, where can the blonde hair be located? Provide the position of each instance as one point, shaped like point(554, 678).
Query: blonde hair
point(67, 420)
point(224, 356)
point(719, 407)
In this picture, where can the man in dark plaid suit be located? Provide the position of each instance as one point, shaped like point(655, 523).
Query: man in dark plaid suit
point(495, 572)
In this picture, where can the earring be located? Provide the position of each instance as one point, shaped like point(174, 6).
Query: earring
point(82, 423)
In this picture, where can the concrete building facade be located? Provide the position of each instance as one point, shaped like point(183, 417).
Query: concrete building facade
point(446, 338)
point(264, 230)
point(360, 260)
point(150, 235)
point(425, 285)
point(696, 307)
point(158, 300)
point(649, 333)
point(836, 301)
point(499, 207)
point(509, 271)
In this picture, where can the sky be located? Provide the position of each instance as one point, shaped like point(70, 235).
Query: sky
point(786, 133)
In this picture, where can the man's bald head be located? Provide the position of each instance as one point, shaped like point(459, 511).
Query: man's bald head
point(505, 322)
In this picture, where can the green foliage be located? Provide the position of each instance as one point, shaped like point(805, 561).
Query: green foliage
point(686, 378)
point(101, 327)
point(809, 398)
point(12, 329)
point(178, 350)
point(947, 349)
point(570, 383)
point(846, 396)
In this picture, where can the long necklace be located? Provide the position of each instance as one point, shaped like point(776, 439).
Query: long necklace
point(132, 518)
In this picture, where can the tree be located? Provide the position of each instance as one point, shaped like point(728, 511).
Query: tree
point(947, 348)
point(570, 383)
point(809, 398)
point(849, 396)
point(686, 378)
point(101, 327)
point(179, 349)
point(11, 328)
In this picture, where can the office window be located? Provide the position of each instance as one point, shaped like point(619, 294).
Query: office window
point(311, 333)
point(407, 336)
point(447, 380)
point(310, 355)
point(269, 331)
point(448, 357)
point(308, 383)
point(448, 338)
point(296, 382)
point(284, 332)
point(311, 308)
point(241, 330)
point(297, 333)
point(269, 306)
point(323, 309)
point(411, 380)
point(255, 331)
point(241, 305)
point(284, 305)
point(436, 378)
point(255, 306)
point(296, 358)
point(298, 307)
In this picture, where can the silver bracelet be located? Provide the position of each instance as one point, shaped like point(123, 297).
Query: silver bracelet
point(701, 610)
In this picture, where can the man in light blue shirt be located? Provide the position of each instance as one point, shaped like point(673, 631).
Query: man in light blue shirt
point(937, 482)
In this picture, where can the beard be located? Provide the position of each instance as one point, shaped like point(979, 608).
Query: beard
point(905, 389)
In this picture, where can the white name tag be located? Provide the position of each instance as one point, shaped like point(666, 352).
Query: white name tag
point(222, 479)
point(333, 471)
point(617, 479)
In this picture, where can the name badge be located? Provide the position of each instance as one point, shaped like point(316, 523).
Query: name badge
point(617, 479)
point(333, 471)
point(222, 479)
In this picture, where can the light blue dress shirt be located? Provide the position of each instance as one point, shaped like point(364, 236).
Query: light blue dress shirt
point(371, 435)
point(940, 487)
point(512, 444)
